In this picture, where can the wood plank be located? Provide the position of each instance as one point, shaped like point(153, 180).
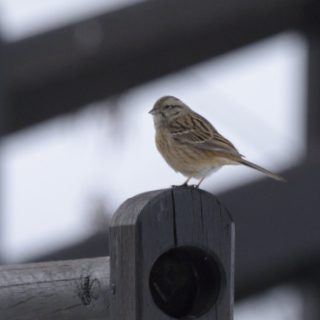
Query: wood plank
point(73, 290)
point(140, 230)
point(201, 221)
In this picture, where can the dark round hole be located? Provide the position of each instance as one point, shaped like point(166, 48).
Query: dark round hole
point(185, 282)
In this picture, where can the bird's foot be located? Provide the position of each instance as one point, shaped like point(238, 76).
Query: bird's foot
point(181, 185)
point(195, 186)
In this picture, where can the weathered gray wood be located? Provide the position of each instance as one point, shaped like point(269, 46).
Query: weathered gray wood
point(201, 220)
point(61, 290)
point(182, 223)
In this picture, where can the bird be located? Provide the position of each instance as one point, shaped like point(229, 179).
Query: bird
point(191, 145)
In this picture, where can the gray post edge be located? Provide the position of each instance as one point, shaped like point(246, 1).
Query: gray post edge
point(153, 223)
point(72, 289)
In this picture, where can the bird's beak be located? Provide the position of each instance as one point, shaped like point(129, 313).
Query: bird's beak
point(153, 111)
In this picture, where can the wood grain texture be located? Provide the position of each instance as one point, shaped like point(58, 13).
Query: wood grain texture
point(203, 222)
point(61, 290)
point(150, 224)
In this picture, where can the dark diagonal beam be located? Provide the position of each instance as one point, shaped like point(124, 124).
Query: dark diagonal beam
point(61, 70)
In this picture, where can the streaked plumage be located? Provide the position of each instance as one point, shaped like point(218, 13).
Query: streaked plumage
point(190, 144)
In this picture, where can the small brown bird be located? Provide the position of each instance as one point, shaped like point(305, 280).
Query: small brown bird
point(190, 144)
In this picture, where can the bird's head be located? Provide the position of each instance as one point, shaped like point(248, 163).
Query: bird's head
point(166, 109)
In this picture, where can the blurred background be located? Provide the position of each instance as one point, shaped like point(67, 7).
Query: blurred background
point(77, 81)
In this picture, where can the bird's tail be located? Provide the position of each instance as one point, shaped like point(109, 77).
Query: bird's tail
point(254, 166)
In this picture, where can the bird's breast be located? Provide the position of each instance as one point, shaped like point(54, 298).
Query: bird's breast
point(187, 159)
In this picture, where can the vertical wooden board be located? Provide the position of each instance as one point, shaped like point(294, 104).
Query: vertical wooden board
point(221, 236)
point(188, 216)
point(124, 257)
point(156, 226)
point(140, 231)
point(122, 277)
point(156, 235)
point(201, 221)
point(219, 227)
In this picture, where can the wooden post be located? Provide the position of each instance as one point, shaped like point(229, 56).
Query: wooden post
point(172, 257)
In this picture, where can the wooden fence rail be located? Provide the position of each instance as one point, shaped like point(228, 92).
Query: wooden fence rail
point(77, 289)
point(171, 257)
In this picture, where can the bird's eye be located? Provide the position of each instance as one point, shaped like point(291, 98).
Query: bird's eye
point(168, 106)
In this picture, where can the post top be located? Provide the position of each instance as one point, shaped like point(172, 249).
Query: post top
point(173, 251)
point(129, 211)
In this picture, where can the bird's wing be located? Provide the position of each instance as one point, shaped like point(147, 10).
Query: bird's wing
point(197, 132)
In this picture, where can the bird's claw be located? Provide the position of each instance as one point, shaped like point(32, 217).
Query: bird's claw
point(195, 186)
point(181, 185)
